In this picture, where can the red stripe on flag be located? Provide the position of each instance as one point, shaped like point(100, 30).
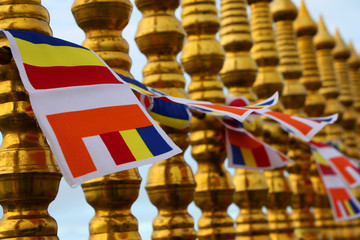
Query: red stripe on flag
point(326, 170)
point(302, 127)
point(117, 147)
point(318, 144)
point(58, 77)
point(241, 139)
point(261, 157)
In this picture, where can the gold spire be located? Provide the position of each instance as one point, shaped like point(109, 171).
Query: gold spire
point(203, 58)
point(238, 74)
point(324, 43)
point(170, 184)
point(341, 54)
point(29, 175)
point(284, 13)
point(306, 29)
point(112, 195)
point(268, 81)
point(354, 74)
point(239, 70)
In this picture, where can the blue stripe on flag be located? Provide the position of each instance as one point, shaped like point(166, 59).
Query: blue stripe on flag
point(353, 206)
point(237, 155)
point(153, 140)
point(270, 102)
point(170, 109)
point(38, 38)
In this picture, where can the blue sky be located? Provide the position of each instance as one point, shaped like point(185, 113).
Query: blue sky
point(69, 209)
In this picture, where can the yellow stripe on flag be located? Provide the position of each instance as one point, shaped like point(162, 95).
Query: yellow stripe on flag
point(348, 207)
point(141, 89)
point(169, 121)
point(320, 158)
point(248, 157)
point(45, 55)
point(136, 145)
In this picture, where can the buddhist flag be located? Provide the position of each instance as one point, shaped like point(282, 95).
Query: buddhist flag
point(92, 120)
point(344, 205)
point(305, 128)
point(344, 166)
point(248, 152)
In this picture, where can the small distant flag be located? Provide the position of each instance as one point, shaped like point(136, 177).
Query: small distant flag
point(248, 152)
point(344, 166)
point(92, 120)
point(305, 128)
point(234, 112)
point(344, 205)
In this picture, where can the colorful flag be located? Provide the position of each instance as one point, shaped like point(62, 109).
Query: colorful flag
point(345, 167)
point(305, 128)
point(248, 152)
point(344, 205)
point(92, 120)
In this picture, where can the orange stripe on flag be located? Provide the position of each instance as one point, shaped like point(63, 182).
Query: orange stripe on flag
point(71, 127)
point(303, 128)
point(341, 164)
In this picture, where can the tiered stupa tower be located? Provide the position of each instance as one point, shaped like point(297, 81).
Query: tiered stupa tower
point(29, 175)
point(112, 195)
point(354, 75)
point(170, 184)
point(203, 58)
point(324, 44)
point(306, 29)
point(341, 55)
point(238, 74)
point(293, 97)
point(268, 81)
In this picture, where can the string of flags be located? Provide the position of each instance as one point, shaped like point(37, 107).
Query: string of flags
point(99, 122)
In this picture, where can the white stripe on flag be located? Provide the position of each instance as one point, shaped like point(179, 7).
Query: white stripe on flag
point(99, 152)
point(333, 181)
point(353, 173)
point(341, 207)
